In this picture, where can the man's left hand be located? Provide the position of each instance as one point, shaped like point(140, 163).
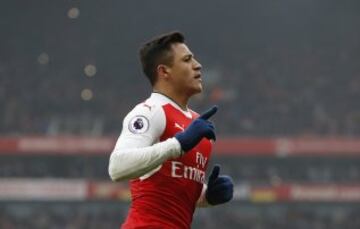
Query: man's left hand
point(220, 188)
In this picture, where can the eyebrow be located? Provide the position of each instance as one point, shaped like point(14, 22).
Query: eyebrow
point(188, 55)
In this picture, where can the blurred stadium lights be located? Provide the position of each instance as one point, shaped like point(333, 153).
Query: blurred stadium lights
point(43, 58)
point(73, 13)
point(90, 70)
point(87, 94)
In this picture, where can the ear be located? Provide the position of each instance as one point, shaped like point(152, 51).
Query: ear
point(163, 71)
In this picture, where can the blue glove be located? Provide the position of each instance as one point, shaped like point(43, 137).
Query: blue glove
point(220, 189)
point(198, 129)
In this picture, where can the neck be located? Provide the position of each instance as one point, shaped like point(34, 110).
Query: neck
point(180, 99)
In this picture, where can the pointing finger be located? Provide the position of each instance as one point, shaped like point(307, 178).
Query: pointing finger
point(206, 115)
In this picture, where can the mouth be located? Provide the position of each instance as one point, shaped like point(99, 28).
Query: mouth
point(198, 76)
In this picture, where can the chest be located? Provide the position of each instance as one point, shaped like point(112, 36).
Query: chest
point(176, 121)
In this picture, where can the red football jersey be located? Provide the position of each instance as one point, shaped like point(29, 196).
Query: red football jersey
point(167, 196)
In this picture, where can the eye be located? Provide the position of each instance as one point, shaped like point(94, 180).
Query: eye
point(188, 58)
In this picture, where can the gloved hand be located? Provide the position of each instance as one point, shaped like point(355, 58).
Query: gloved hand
point(198, 129)
point(220, 188)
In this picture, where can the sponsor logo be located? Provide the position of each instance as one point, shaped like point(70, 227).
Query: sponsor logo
point(179, 170)
point(200, 159)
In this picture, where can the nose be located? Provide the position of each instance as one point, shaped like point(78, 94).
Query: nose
point(197, 65)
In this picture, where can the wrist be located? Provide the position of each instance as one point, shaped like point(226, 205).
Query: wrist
point(202, 201)
point(184, 141)
point(178, 151)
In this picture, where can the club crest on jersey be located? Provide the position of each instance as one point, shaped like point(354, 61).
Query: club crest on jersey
point(139, 124)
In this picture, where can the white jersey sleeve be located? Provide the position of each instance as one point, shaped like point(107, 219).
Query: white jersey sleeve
point(138, 150)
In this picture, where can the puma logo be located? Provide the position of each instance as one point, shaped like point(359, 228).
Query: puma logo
point(177, 125)
point(148, 106)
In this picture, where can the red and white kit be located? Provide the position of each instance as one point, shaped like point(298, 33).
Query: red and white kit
point(166, 184)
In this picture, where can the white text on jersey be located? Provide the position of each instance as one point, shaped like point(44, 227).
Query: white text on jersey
point(179, 170)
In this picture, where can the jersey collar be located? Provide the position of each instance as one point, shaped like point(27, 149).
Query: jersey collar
point(165, 99)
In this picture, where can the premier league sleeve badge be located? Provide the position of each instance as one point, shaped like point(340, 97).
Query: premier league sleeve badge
point(138, 124)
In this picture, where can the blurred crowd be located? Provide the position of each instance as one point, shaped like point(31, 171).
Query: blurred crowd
point(268, 78)
point(237, 216)
point(309, 91)
point(60, 216)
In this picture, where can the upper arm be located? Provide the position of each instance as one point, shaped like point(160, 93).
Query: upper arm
point(142, 127)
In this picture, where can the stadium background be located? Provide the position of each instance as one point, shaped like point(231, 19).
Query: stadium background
point(285, 74)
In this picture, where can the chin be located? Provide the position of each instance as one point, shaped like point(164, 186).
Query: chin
point(196, 90)
point(193, 89)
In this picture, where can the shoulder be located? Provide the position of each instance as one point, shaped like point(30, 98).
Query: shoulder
point(149, 108)
point(145, 115)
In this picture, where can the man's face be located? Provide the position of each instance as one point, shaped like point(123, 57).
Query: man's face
point(185, 71)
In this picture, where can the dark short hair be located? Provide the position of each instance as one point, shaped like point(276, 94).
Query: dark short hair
point(158, 51)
